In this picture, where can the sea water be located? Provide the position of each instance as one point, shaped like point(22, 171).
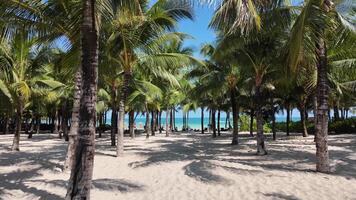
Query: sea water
point(193, 123)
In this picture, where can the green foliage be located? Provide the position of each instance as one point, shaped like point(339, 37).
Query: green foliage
point(245, 124)
point(335, 127)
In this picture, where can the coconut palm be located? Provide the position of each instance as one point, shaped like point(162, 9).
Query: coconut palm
point(23, 74)
point(317, 19)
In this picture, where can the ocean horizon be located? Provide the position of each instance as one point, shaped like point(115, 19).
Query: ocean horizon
point(193, 122)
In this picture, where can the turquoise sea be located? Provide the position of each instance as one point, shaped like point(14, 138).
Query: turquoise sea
point(194, 122)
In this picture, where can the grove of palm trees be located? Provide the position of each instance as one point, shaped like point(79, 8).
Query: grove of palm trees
point(116, 99)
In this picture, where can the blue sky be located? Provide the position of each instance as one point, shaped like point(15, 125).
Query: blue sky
point(198, 28)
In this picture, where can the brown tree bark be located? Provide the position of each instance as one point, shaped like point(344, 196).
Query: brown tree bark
point(73, 132)
point(288, 117)
point(153, 123)
point(16, 141)
point(213, 122)
point(171, 120)
point(218, 125)
point(7, 125)
point(113, 115)
point(160, 121)
point(55, 122)
point(303, 117)
point(261, 147)
point(122, 103)
point(132, 123)
point(321, 135)
point(81, 175)
point(235, 118)
point(148, 124)
point(64, 121)
point(251, 122)
point(167, 125)
point(202, 120)
point(274, 134)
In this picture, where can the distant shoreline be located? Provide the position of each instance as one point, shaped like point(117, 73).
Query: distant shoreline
point(194, 122)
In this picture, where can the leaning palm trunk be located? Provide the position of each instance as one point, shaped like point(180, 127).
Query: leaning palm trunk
point(121, 128)
point(81, 175)
point(16, 141)
point(321, 135)
point(131, 123)
point(68, 164)
point(235, 118)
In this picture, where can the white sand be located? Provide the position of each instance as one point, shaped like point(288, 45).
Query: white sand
point(183, 167)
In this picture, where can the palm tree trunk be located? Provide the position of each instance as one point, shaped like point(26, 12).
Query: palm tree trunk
point(132, 123)
point(288, 117)
point(160, 121)
point(274, 134)
point(122, 102)
point(210, 122)
point(16, 141)
point(261, 149)
point(187, 120)
point(213, 122)
point(167, 126)
point(38, 123)
point(27, 129)
point(113, 115)
point(171, 120)
point(219, 133)
point(153, 128)
point(74, 127)
point(174, 118)
point(55, 123)
point(235, 118)
point(303, 117)
point(202, 120)
point(251, 122)
point(60, 127)
point(321, 135)
point(148, 124)
point(81, 175)
point(64, 121)
point(336, 113)
point(7, 125)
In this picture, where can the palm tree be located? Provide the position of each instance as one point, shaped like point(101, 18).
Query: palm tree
point(310, 29)
point(23, 69)
point(81, 175)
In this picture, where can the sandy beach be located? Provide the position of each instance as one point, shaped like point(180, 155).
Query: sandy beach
point(183, 167)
